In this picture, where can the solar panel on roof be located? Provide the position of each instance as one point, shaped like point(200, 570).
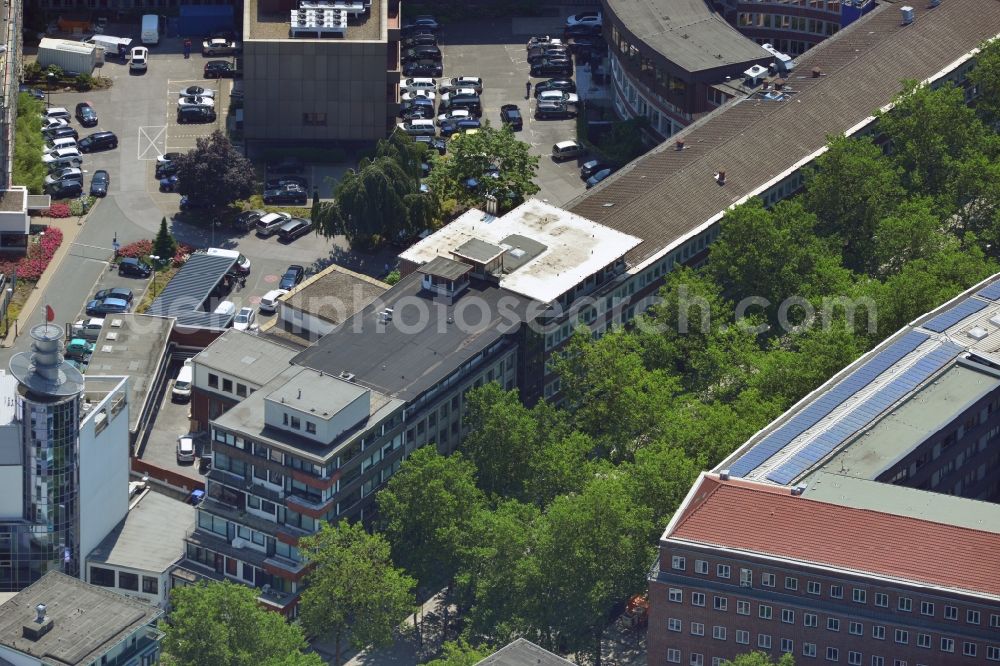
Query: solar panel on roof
point(949, 318)
point(991, 291)
point(819, 408)
point(888, 395)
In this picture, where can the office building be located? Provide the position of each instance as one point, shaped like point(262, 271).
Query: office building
point(62, 620)
point(67, 465)
point(863, 525)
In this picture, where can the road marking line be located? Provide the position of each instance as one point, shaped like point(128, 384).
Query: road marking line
point(143, 149)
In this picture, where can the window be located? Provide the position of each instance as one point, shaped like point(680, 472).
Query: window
point(814, 587)
point(673, 655)
point(878, 632)
point(743, 637)
point(746, 577)
point(697, 659)
point(882, 599)
point(969, 649)
point(860, 596)
point(241, 390)
point(856, 628)
point(902, 636)
point(767, 580)
point(951, 612)
point(697, 599)
point(832, 654)
point(701, 566)
point(310, 427)
point(791, 583)
point(880, 661)
point(993, 653)
point(764, 641)
point(742, 607)
point(697, 629)
point(150, 585)
point(719, 633)
point(101, 576)
point(764, 611)
point(677, 562)
point(722, 571)
point(926, 608)
point(213, 380)
point(947, 645)
point(854, 658)
point(924, 640)
point(787, 645)
point(809, 619)
point(314, 119)
point(972, 616)
point(837, 591)
point(994, 621)
point(787, 616)
point(676, 595)
point(832, 624)
point(674, 624)
point(296, 423)
point(808, 649)
point(720, 603)
point(227, 385)
point(128, 581)
point(905, 604)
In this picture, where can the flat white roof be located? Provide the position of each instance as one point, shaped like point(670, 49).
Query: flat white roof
point(65, 45)
point(575, 247)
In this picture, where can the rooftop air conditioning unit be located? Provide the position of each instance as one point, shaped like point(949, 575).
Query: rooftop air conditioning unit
point(907, 13)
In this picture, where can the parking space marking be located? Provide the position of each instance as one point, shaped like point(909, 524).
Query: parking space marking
point(149, 139)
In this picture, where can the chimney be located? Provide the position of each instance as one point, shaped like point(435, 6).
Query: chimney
point(680, 144)
point(38, 626)
point(720, 177)
point(491, 205)
point(817, 72)
point(907, 13)
point(724, 475)
point(779, 84)
point(40, 613)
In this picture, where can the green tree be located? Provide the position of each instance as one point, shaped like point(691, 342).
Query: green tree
point(222, 624)
point(624, 141)
point(500, 163)
point(164, 245)
point(660, 478)
point(986, 77)
point(460, 653)
point(215, 174)
point(913, 231)
point(760, 659)
point(28, 169)
point(353, 590)
point(369, 204)
point(501, 439)
point(558, 466)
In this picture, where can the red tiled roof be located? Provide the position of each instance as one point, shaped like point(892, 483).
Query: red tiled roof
point(764, 519)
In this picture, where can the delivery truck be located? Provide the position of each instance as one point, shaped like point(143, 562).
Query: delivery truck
point(150, 29)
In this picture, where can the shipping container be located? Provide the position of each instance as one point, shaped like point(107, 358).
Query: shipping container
point(68, 55)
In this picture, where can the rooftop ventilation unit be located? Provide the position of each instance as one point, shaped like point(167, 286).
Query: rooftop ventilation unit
point(347, 376)
point(724, 475)
point(798, 490)
point(907, 13)
point(978, 333)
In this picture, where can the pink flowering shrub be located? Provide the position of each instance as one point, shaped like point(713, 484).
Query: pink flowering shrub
point(136, 250)
point(57, 210)
point(182, 254)
point(36, 260)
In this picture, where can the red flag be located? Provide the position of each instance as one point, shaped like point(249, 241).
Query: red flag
point(50, 314)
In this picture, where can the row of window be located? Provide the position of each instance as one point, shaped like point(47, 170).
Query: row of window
point(791, 583)
point(242, 390)
point(126, 581)
point(786, 22)
point(832, 654)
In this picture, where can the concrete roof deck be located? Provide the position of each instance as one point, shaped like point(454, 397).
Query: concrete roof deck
point(320, 394)
point(668, 195)
point(687, 32)
point(270, 19)
point(335, 294)
point(88, 620)
point(249, 357)
point(523, 652)
point(151, 536)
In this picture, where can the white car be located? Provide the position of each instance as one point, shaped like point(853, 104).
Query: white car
point(197, 91)
point(420, 93)
point(585, 18)
point(65, 142)
point(54, 124)
point(63, 157)
point(140, 58)
point(244, 319)
point(474, 82)
point(218, 46)
point(56, 112)
point(456, 93)
point(67, 173)
point(207, 102)
point(269, 301)
point(185, 448)
point(418, 84)
point(454, 114)
point(558, 96)
point(418, 127)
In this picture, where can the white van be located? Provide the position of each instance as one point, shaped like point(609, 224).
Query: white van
point(150, 29)
point(182, 385)
point(565, 150)
point(242, 263)
point(88, 329)
point(225, 308)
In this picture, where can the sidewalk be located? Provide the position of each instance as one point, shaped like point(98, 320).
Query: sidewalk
point(70, 227)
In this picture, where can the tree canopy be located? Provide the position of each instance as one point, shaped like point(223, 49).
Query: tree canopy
point(760, 659)
point(214, 173)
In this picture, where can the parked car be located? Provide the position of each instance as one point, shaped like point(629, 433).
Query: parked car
point(195, 114)
point(454, 114)
point(218, 69)
point(566, 85)
point(558, 96)
point(34, 92)
point(598, 177)
point(65, 189)
point(139, 60)
point(218, 46)
point(433, 143)
point(418, 83)
point(550, 110)
point(289, 194)
point(66, 173)
point(590, 167)
point(85, 114)
point(52, 124)
point(56, 113)
point(79, 348)
point(61, 133)
point(185, 449)
point(454, 126)
point(420, 24)
point(411, 95)
point(196, 91)
point(55, 144)
point(248, 219)
point(282, 181)
point(543, 41)
point(415, 127)
point(552, 67)
point(169, 183)
point(98, 141)
point(473, 82)
point(420, 39)
point(130, 267)
point(418, 112)
point(181, 391)
point(88, 329)
point(244, 319)
point(106, 306)
point(99, 183)
point(124, 293)
point(270, 223)
point(269, 301)
point(565, 150)
point(541, 53)
point(421, 53)
point(195, 101)
point(294, 228)
point(63, 157)
point(293, 275)
point(420, 68)
point(594, 18)
point(511, 115)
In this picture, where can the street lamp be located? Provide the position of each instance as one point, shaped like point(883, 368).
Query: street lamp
point(51, 77)
point(156, 260)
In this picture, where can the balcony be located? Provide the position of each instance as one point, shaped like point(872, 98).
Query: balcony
point(393, 21)
point(313, 508)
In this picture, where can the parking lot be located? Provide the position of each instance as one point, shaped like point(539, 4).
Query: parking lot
point(171, 420)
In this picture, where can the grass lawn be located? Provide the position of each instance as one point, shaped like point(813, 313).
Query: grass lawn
point(156, 285)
